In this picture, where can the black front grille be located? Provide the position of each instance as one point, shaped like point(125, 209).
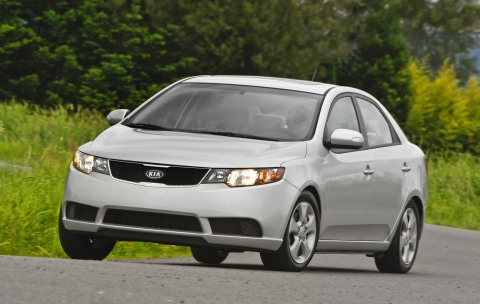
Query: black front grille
point(152, 220)
point(81, 212)
point(173, 176)
point(235, 226)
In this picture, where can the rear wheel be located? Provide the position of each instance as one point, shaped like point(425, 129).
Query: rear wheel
point(82, 246)
point(208, 255)
point(401, 254)
point(300, 239)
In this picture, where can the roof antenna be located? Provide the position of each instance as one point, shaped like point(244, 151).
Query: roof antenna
point(314, 74)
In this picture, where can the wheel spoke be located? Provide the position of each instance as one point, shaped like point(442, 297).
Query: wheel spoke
point(403, 240)
point(409, 252)
point(293, 228)
point(295, 247)
point(303, 249)
point(405, 222)
point(409, 219)
point(303, 212)
point(311, 224)
point(310, 245)
point(412, 222)
point(414, 230)
point(405, 253)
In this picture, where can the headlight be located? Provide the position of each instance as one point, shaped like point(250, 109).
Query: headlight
point(88, 163)
point(245, 177)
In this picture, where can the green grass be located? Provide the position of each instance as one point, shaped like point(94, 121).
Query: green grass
point(454, 191)
point(44, 141)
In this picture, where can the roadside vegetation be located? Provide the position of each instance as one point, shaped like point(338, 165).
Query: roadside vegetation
point(454, 191)
point(41, 144)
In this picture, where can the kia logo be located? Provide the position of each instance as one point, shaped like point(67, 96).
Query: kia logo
point(154, 174)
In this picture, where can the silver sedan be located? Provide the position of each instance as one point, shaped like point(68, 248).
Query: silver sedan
point(225, 164)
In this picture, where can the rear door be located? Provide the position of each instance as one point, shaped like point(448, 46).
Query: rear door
point(392, 168)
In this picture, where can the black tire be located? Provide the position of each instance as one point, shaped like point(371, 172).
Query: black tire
point(208, 255)
point(392, 261)
point(82, 246)
point(281, 259)
point(269, 260)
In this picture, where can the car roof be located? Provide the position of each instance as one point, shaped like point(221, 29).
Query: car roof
point(268, 82)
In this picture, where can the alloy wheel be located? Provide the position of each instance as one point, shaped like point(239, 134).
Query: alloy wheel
point(408, 236)
point(302, 232)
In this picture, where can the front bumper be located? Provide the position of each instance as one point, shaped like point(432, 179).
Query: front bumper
point(270, 205)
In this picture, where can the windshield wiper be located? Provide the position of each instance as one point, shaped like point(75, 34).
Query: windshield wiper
point(229, 134)
point(148, 127)
point(232, 134)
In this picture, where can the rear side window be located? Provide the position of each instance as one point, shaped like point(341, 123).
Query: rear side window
point(377, 127)
point(342, 116)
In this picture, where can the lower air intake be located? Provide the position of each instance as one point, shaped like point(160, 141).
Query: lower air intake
point(81, 212)
point(235, 226)
point(152, 220)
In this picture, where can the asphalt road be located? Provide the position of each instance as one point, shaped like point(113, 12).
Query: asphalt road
point(447, 270)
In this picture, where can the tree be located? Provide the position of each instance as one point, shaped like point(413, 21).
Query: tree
point(124, 57)
point(440, 30)
point(378, 62)
point(95, 53)
point(18, 44)
point(271, 38)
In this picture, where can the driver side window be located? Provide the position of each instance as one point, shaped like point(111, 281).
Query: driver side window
point(342, 116)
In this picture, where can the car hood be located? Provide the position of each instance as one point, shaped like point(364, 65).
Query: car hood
point(191, 149)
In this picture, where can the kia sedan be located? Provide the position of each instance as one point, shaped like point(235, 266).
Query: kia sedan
point(283, 167)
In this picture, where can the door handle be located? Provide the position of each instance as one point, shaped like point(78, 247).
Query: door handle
point(405, 168)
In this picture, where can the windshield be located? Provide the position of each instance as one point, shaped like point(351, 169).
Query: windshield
point(232, 110)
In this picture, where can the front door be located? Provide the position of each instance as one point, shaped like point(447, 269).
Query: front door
point(348, 181)
point(349, 197)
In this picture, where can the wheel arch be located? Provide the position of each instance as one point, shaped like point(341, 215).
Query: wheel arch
point(421, 211)
point(414, 196)
point(313, 189)
point(316, 194)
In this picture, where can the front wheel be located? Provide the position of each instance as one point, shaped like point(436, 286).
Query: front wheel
point(401, 254)
point(300, 239)
point(82, 246)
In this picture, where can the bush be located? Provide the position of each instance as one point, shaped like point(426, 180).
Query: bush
point(443, 116)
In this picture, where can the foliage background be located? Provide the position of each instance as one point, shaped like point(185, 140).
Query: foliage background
point(106, 54)
point(65, 64)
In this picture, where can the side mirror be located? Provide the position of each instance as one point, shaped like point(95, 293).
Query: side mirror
point(343, 138)
point(117, 116)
